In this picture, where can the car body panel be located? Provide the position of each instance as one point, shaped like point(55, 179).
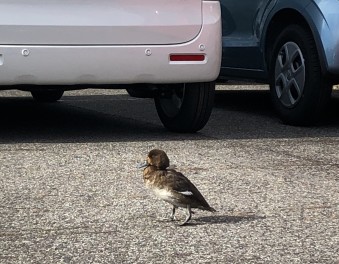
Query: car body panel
point(28, 64)
point(244, 34)
point(101, 22)
point(240, 38)
point(326, 31)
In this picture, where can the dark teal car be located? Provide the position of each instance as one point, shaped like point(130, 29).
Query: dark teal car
point(291, 44)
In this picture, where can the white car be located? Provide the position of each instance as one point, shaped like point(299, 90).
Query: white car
point(171, 49)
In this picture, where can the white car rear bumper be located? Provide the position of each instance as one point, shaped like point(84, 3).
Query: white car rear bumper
point(71, 65)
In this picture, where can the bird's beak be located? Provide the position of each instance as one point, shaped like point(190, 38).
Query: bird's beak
point(142, 165)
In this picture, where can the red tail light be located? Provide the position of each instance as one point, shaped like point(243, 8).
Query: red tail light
point(187, 57)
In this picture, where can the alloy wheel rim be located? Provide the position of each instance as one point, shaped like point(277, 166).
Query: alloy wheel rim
point(290, 74)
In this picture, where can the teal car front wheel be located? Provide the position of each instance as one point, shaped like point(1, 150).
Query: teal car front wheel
point(299, 91)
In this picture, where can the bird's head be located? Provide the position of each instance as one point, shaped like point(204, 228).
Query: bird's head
point(157, 158)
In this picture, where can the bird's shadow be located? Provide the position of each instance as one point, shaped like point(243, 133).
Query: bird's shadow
point(224, 219)
point(213, 219)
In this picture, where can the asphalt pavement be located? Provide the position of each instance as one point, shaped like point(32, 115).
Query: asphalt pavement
point(70, 191)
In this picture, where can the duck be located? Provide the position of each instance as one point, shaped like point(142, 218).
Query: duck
point(172, 186)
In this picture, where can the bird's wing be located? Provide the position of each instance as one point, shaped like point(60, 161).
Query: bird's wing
point(182, 185)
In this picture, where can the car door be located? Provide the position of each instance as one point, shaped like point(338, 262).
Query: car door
point(241, 33)
point(100, 22)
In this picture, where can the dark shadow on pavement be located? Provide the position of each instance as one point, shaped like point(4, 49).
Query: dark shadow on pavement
point(105, 118)
point(24, 120)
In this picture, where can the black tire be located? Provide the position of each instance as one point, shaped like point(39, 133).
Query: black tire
point(47, 96)
point(185, 108)
point(299, 91)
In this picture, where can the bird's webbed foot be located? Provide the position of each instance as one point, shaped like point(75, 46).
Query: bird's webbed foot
point(188, 216)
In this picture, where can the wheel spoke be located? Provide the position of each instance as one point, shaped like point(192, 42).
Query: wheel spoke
point(298, 71)
point(282, 59)
point(295, 91)
point(286, 95)
point(280, 84)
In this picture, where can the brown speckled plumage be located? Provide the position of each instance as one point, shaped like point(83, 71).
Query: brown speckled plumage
point(172, 186)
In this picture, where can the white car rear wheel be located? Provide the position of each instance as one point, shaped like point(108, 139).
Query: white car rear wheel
point(185, 107)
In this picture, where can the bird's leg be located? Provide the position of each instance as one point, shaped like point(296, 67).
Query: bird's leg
point(189, 214)
point(172, 216)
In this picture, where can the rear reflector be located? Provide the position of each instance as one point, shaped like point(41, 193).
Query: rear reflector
point(187, 57)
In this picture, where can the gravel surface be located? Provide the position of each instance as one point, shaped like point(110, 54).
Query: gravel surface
point(70, 192)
